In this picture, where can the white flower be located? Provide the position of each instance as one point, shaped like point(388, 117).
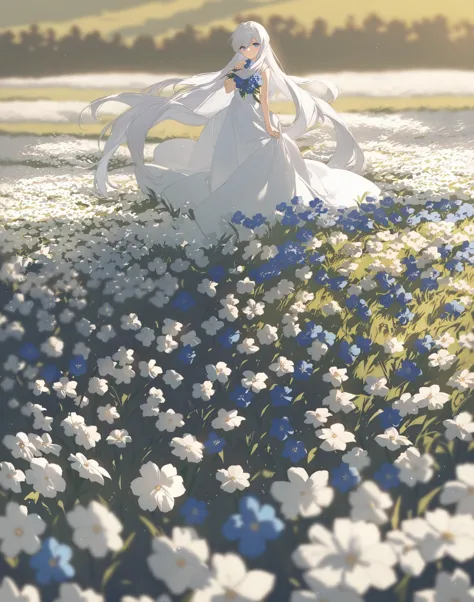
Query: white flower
point(212, 326)
point(461, 491)
point(369, 503)
point(9, 592)
point(106, 366)
point(146, 336)
point(53, 347)
point(448, 535)
point(445, 340)
point(442, 359)
point(157, 488)
point(375, 385)
point(19, 531)
point(267, 335)
point(124, 375)
point(335, 438)
point(38, 387)
point(391, 439)
point(219, 372)
point(317, 417)
point(72, 424)
point(317, 350)
point(180, 561)
point(106, 333)
point(96, 529)
point(357, 458)
point(20, 446)
point(87, 436)
point(338, 400)
point(231, 581)
point(253, 309)
point(247, 346)
point(10, 477)
point(303, 495)
point(406, 405)
point(172, 378)
point(190, 338)
point(352, 556)
point(454, 587)
point(253, 381)
point(335, 376)
point(462, 380)
point(233, 478)
point(119, 438)
point(393, 345)
point(245, 286)
point(414, 467)
point(187, 448)
point(466, 340)
point(169, 421)
point(98, 386)
point(88, 469)
point(207, 287)
point(203, 390)
point(331, 309)
point(431, 397)
point(282, 366)
point(227, 421)
point(45, 477)
point(461, 426)
point(108, 413)
point(65, 388)
point(71, 592)
point(149, 369)
point(166, 343)
point(406, 543)
point(130, 322)
point(45, 444)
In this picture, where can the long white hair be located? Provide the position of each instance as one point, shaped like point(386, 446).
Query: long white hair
point(203, 96)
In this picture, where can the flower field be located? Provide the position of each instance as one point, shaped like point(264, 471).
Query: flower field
point(284, 415)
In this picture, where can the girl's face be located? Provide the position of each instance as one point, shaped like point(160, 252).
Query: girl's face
point(250, 52)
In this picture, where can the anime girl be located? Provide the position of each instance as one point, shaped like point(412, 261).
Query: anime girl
point(244, 160)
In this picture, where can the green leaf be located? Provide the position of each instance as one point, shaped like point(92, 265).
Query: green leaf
point(255, 476)
point(395, 520)
point(153, 529)
point(311, 454)
point(268, 474)
point(221, 455)
point(254, 448)
point(424, 502)
point(61, 505)
point(13, 562)
point(124, 398)
point(126, 544)
point(33, 495)
point(294, 582)
point(108, 573)
point(265, 409)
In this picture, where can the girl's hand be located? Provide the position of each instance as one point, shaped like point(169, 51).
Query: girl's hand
point(272, 131)
point(229, 85)
point(239, 65)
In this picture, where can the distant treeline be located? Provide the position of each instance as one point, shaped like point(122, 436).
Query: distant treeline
point(373, 45)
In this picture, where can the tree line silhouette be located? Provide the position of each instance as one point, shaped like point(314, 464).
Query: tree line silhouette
point(373, 45)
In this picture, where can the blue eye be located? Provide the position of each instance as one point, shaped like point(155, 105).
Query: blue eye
point(256, 44)
point(242, 48)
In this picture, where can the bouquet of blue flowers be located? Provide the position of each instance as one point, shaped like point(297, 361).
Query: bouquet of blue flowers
point(250, 85)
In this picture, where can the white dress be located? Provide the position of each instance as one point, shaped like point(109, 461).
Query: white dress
point(235, 165)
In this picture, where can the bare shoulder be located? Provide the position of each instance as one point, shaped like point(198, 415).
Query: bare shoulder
point(265, 71)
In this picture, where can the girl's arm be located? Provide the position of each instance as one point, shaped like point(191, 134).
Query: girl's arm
point(264, 102)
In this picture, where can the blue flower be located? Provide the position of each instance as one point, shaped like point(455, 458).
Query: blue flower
point(389, 417)
point(183, 301)
point(363, 343)
point(229, 337)
point(241, 396)
point(408, 371)
point(52, 562)
point(29, 352)
point(294, 450)
point(303, 370)
point(187, 355)
point(280, 396)
point(387, 476)
point(453, 309)
point(404, 316)
point(194, 511)
point(281, 428)
point(344, 477)
point(214, 443)
point(50, 373)
point(253, 527)
point(424, 345)
point(216, 273)
point(348, 353)
point(78, 365)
